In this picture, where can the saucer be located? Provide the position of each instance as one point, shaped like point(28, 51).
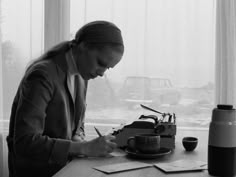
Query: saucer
point(136, 154)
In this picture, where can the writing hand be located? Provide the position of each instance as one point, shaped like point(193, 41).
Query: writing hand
point(100, 146)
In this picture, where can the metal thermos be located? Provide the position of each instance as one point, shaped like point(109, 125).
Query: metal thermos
point(222, 142)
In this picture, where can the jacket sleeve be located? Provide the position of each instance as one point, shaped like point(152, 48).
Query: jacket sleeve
point(35, 92)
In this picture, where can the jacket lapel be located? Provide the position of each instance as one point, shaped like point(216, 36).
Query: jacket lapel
point(78, 107)
point(80, 90)
point(60, 60)
point(69, 86)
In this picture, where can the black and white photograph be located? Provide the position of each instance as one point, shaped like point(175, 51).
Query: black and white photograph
point(117, 88)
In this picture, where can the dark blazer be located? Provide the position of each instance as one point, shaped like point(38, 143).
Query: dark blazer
point(44, 118)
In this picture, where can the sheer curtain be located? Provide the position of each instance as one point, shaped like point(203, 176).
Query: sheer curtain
point(21, 38)
point(57, 22)
point(1, 73)
point(226, 52)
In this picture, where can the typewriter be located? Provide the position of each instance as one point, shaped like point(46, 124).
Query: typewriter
point(164, 126)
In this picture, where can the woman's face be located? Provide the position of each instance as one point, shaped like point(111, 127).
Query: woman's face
point(92, 62)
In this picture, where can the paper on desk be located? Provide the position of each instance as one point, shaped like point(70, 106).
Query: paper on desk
point(182, 165)
point(119, 167)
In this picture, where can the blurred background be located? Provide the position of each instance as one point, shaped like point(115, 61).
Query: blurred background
point(168, 65)
point(179, 57)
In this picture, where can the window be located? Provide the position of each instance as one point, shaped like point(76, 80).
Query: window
point(170, 44)
point(169, 50)
point(21, 40)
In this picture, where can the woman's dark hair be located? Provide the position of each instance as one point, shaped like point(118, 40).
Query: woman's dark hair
point(98, 35)
point(100, 46)
point(94, 35)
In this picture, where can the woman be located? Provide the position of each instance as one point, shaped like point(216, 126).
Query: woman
point(47, 118)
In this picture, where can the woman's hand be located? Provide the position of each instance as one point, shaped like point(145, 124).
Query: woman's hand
point(100, 146)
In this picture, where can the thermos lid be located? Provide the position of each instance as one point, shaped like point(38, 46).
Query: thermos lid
point(225, 106)
point(223, 126)
point(224, 113)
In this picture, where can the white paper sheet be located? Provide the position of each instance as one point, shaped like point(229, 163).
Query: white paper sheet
point(119, 167)
point(181, 166)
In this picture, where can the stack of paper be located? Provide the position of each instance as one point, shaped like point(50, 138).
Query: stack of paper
point(181, 166)
point(122, 167)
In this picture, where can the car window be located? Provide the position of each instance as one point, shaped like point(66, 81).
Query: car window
point(136, 82)
point(157, 83)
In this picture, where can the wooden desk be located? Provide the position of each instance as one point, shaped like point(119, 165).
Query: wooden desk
point(83, 167)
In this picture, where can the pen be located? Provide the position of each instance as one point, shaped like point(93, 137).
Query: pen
point(99, 134)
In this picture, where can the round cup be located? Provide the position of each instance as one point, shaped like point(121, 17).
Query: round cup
point(190, 143)
point(145, 143)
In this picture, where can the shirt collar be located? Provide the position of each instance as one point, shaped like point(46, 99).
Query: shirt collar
point(72, 67)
